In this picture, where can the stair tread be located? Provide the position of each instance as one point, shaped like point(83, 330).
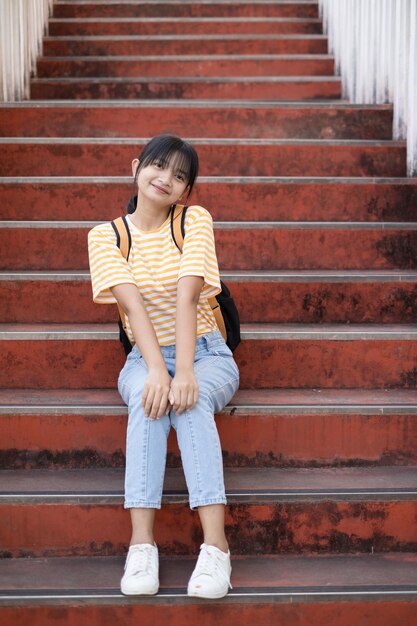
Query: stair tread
point(229, 225)
point(315, 397)
point(99, 576)
point(186, 79)
point(354, 143)
point(164, 3)
point(367, 483)
point(98, 3)
point(185, 37)
point(185, 57)
point(235, 275)
point(159, 20)
point(64, 400)
point(248, 331)
point(282, 180)
point(197, 103)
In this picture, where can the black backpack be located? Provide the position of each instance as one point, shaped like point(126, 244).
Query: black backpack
point(222, 305)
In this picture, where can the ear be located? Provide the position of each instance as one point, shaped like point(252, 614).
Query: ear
point(135, 164)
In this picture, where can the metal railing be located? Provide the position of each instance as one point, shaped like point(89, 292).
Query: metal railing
point(374, 43)
point(22, 26)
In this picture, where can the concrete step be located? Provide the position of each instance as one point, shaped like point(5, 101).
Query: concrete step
point(270, 510)
point(187, 8)
point(269, 428)
point(115, 45)
point(46, 245)
point(151, 26)
point(90, 356)
point(376, 590)
point(218, 88)
point(261, 65)
point(238, 157)
point(227, 198)
point(355, 296)
point(281, 120)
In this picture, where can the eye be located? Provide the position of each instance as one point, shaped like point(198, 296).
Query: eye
point(180, 176)
point(158, 164)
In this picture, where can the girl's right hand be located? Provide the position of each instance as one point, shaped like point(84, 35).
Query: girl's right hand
point(155, 393)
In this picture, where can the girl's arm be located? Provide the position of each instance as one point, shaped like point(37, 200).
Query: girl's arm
point(184, 386)
point(156, 389)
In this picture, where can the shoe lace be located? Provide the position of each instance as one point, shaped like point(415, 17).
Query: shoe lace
point(139, 559)
point(208, 564)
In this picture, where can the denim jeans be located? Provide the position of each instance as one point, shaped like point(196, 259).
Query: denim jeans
point(146, 441)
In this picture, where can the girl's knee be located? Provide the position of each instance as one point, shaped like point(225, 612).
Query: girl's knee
point(130, 383)
point(218, 397)
point(131, 395)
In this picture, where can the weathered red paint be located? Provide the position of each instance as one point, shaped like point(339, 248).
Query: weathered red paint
point(292, 363)
point(82, 159)
point(92, 88)
point(213, 613)
point(283, 527)
point(152, 47)
point(37, 301)
point(361, 364)
point(306, 303)
point(191, 66)
point(169, 9)
point(239, 200)
point(161, 26)
point(309, 121)
point(257, 440)
point(283, 440)
point(237, 248)
point(167, 26)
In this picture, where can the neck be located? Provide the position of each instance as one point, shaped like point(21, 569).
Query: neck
point(148, 216)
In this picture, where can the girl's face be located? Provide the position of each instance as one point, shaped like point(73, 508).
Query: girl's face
point(161, 182)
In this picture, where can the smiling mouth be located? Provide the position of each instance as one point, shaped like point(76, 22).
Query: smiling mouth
point(160, 189)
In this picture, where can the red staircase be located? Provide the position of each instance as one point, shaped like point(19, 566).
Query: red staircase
point(315, 236)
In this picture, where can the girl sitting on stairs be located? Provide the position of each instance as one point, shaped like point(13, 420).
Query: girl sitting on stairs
point(180, 371)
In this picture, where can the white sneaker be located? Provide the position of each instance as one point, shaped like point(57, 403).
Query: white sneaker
point(211, 575)
point(141, 571)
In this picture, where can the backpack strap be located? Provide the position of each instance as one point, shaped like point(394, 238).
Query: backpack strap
point(177, 225)
point(178, 234)
point(124, 238)
point(124, 242)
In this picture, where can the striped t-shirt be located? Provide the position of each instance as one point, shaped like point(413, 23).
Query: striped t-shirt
point(155, 265)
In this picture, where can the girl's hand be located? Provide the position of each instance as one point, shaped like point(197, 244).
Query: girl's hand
point(183, 394)
point(155, 393)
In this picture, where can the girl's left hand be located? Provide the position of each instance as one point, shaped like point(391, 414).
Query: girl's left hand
point(183, 394)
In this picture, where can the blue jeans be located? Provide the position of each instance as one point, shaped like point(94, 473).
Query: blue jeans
point(146, 441)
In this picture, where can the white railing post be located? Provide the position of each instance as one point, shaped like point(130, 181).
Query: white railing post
point(412, 94)
point(402, 41)
point(22, 26)
point(374, 43)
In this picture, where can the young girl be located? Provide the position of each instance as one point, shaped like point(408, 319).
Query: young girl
point(180, 371)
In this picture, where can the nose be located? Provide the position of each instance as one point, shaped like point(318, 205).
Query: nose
point(165, 176)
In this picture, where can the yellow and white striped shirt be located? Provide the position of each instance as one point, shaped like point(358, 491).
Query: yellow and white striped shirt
point(155, 265)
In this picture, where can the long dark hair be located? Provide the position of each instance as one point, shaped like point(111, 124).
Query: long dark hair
point(162, 148)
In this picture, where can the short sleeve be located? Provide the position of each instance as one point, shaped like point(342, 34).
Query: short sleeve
point(108, 267)
point(199, 252)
